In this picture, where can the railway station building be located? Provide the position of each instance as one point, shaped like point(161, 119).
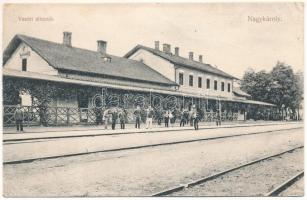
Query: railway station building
point(84, 80)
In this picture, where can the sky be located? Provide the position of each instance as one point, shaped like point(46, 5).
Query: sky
point(227, 35)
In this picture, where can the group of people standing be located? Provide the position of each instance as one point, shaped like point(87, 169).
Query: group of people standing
point(104, 116)
point(192, 116)
point(149, 117)
point(169, 117)
point(113, 114)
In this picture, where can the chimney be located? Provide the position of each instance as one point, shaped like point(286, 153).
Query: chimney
point(157, 45)
point(191, 55)
point(167, 48)
point(200, 58)
point(102, 46)
point(67, 38)
point(177, 51)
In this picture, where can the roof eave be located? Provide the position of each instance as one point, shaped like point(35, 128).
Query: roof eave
point(229, 77)
point(110, 76)
point(132, 51)
point(18, 38)
point(11, 47)
point(137, 47)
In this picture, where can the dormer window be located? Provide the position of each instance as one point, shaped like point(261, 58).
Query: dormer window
point(24, 65)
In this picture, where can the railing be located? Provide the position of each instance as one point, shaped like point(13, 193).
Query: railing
point(50, 116)
point(211, 116)
point(59, 116)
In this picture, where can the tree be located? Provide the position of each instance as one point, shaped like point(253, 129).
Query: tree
point(285, 88)
point(257, 84)
point(280, 86)
point(299, 82)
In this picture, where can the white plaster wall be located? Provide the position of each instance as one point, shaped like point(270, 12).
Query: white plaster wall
point(186, 88)
point(219, 92)
point(168, 69)
point(157, 63)
point(34, 62)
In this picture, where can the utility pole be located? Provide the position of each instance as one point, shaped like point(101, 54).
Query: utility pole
point(150, 97)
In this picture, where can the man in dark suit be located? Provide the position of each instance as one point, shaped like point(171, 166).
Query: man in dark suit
point(18, 115)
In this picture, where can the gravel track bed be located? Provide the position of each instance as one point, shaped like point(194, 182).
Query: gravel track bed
point(24, 151)
point(254, 180)
point(140, 172)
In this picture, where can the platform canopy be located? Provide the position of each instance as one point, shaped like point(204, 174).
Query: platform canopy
point(54, 78)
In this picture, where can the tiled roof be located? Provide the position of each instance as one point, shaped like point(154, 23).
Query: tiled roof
point(178, 60)
point(63, 57)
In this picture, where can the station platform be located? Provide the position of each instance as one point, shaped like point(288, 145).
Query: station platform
point(38, 132)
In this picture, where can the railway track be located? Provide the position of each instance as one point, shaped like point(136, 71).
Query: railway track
point(274, 192)
point(140, 146)
point(285, 185)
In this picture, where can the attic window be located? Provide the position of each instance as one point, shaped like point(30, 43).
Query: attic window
point(106, 59)
point(24, 64)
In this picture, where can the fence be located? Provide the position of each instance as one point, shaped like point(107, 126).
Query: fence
point(60, 116)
